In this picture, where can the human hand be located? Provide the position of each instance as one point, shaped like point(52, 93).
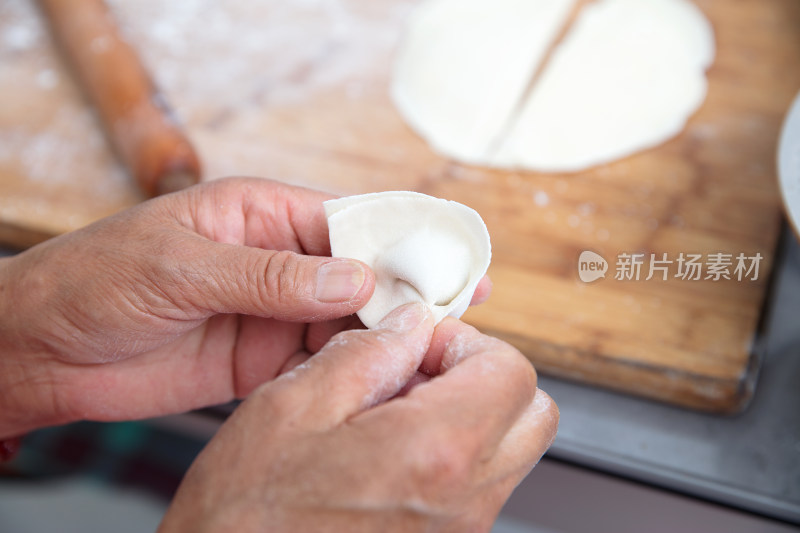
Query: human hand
point(188, 300)
point(330, 446)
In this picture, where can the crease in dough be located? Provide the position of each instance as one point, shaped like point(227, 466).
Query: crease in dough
point(421, 248)
point(627, 76)
point(465, 65)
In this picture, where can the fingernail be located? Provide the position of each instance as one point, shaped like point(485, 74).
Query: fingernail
point(339, 281)
point(405, 318)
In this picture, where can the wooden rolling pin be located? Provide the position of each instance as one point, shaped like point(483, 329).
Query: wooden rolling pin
point(136, 117)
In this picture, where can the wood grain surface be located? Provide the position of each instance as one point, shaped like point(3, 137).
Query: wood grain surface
point(297, 91)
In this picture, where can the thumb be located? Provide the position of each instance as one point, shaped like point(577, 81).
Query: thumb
point(356, 370)
point(278, 284)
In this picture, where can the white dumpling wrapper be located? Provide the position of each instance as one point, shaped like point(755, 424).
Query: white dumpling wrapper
point(627, 76)
point(421, 249)
point(465, 64)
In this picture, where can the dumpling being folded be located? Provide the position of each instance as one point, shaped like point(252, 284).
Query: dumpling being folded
point(421, 248)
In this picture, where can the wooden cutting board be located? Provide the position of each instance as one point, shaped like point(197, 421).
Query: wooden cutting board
point(297, 91)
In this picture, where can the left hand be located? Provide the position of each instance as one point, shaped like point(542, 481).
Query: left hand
point(187, 300)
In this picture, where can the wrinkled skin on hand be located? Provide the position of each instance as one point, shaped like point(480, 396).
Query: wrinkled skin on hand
point(331, 446)
point(184, 301)
point(226, 290)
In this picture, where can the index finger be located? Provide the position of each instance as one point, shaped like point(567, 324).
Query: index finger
point(255, 212)
point(482, 291)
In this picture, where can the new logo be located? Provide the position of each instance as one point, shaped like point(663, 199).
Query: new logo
point(591, 266)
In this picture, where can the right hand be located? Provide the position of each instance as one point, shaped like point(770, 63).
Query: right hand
point(332, 446)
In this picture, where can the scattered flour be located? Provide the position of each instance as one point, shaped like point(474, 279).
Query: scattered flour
point(215, 61)
point(47, 79)
point(243, 46)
